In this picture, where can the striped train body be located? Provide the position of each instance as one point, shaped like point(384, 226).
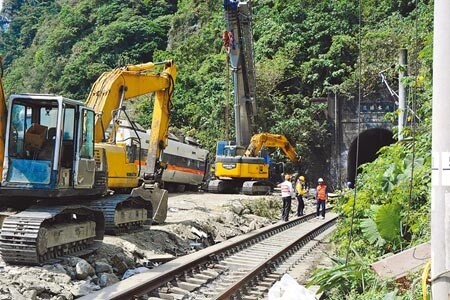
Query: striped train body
point(186, 162)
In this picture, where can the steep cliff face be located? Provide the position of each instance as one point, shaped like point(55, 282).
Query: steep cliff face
point(303, 50)
point(63, 46)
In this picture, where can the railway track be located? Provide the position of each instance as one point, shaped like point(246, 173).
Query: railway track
point(244, 267)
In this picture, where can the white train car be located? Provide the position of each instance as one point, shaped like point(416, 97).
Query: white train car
point(186, 162)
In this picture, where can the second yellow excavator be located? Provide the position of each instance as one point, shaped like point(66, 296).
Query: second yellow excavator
point(243, 170)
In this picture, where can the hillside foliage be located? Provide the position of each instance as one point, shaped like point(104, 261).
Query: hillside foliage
point(304, 50)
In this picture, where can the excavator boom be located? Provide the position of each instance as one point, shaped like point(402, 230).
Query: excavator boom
point(269, 140)
point(112, 88)
point(107, 98)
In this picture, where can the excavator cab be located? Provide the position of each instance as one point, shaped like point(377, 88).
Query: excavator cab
point(233, 169)
point(248, 172)
point(49, 147)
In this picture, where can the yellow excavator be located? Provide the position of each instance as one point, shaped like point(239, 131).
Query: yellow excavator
point(107, 98)
point(57, 175)
point(239, 170)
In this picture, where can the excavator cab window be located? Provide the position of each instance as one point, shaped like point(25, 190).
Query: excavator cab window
point(87, 135)
point(18, 127)
point(33, 130)
point(69, 124)
point(67, 147)
point(233, 150)
point(31, 140)
point(84, 168)
point(48, 116)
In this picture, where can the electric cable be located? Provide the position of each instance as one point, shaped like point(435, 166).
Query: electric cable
point(425, 274)
point(413, 104)
point(227, 100)
point(355, 188)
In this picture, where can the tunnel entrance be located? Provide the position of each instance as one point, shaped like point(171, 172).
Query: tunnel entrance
point(370, 141)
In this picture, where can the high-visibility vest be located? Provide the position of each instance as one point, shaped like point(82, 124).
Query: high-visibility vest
point(286, 188)
point(300, 188)
point(322, 192)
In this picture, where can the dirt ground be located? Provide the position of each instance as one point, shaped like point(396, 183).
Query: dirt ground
point(194, 220)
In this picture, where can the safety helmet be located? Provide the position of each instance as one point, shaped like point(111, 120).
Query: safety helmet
point(287, 177)
point(320, 180)
point(302, 178)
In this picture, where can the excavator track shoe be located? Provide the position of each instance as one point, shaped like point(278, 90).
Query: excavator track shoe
point(257, 188)
point(39, 233)
point(123, 213)
point(220, 186)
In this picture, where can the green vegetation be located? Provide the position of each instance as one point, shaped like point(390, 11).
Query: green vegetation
point(264, 207)
point(390, 208)
point(304, 50)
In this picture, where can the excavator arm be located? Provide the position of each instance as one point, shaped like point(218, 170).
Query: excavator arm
point(238, 39)
point(112, 88)
point(269, 140)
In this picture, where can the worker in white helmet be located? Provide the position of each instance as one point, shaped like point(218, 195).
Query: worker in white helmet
point(321, 198)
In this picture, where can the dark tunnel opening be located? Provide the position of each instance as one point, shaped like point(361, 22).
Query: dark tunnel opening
point(370, 141)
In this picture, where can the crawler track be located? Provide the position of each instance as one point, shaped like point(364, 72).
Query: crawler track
point(123, 213)
point(244, 267)
point(35, 235)
point(40, 233)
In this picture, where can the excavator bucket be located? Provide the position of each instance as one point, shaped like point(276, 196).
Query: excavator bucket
point(159, 201)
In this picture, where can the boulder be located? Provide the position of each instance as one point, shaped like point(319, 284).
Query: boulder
point(15, 294)
point(237, 207)
point(102, 267)
point(107, 279)
point(83, 269)
point(30, 294)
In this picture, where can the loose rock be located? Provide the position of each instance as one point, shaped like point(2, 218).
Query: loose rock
point(83, 269)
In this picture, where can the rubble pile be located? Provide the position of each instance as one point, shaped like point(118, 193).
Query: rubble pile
point(117, 258)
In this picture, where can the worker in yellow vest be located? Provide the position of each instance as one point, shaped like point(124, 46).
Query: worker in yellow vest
point(300, 191)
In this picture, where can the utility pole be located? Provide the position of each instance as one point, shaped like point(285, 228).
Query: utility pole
point(402, 60)
point(440, 192)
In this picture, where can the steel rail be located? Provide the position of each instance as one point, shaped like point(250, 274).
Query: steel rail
point(145, 283)
point(235, 288)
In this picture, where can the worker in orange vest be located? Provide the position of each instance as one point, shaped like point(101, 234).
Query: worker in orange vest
point(321, 198)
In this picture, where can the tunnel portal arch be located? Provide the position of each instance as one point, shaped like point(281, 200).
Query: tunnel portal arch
point(370, 141)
